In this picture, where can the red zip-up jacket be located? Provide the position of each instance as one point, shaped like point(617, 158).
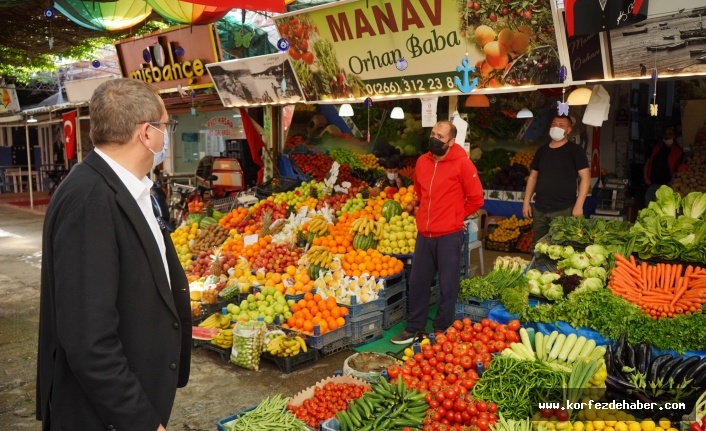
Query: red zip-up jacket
point(449, 192)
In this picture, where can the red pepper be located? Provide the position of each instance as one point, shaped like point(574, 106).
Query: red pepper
point(696, 426)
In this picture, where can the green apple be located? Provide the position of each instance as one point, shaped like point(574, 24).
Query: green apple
point(269, 311)
point(291, 302)
point(287, 314)
point(251, 298)
point(269, 320)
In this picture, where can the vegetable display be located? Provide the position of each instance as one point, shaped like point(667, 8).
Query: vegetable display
point(268, 415)
point(531, 382)
point(588, 231)
point(506, 271)
point(661, 290)
point(691, 176)
point(634, 374)
point(327, 402)
point(389, 406)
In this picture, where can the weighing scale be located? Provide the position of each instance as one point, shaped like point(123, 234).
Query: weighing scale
point(611, 199)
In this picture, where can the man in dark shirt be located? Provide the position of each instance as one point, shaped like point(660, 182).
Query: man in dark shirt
point(662, 165)
point(554, 171)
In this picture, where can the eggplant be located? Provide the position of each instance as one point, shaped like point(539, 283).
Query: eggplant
point(695, 370)
point(656, 365)
point(699, 381)
point(666, 370)
point(642, 360)
point(618, 365)
point(609, 359)
point(618, 384)
point(629, 355)
point(620, 346)
point(680, 370)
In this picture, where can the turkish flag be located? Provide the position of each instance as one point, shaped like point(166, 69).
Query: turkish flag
point(276, 6)
point(70, 133)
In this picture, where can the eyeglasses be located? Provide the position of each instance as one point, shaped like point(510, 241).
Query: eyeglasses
point(170, 126)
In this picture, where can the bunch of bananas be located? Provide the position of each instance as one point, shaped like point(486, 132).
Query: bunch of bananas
point(363, 226)
point(216, 320)
point(284, 346)
point(320, 256)
point(224, 339)
point(318, 225)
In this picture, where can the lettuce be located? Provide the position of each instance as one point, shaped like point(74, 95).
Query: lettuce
point(567, 252)
point(668, 201)
point(596, 259)
point(573, 271)
point(555, 251)
point(534, 287)
point(596, 272)
point(694, 204)
point(553, 292)
point(591, 284)
point(597, 249)
point(548, 277)
point(533, 274)
point(542, 247)
point(580, 261)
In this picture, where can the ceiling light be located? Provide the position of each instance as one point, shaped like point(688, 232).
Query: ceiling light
point(477, 101)
point(580, 96)
point(524, 113)
point(397, 113)
point(346, 110)
point(31, 119)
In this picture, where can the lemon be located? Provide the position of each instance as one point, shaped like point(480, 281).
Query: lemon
point(659, 429)
point(634, 426)
point(665, 423)
point(610, 420)
point(590, 427)
point(598, 424)
point(629, 418)
point(620, 415)
point(672, 429)
point(582, 416)
point(621, 426)
point(579, 426)
point(562, 425)
point(608, 429)
point(601, 413)
point(648, 425)
point(590, 415)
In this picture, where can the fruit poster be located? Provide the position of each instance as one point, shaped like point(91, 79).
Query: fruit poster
point(381, 48)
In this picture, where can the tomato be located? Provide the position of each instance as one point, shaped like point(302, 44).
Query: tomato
point(514, 325)
point(466, 362)
point(477, 327)
point(512, 336)
point(472, 410)
point(436, 348)
point(433, 403)
point(449, 368)
point(440, 367)
point(466, 336)
point(492, 407)
point(499, 336)
point(482, 424)
point(451, 378)
point(493, 325)
point(467, 322)
point(491, 346)
point(393, 371)
point(450, 415)
point(441, 339)
point(482, 406)
point(308, 58)
point(483, 415)
point(294, 53)
point(499, 346)
point(416, 371)
point(487, 330)
point(419, 357)
point(485, 322)
point(440, 396)
point(428, 354)
point(492, 418)
point(447, 347)
point(433, 362)
point(426, 370)
point(458, 418)
point(546, 413)
point(406, 369)
point(458, 325)
point(468, 383)
point(561, 414)
point(448, 404)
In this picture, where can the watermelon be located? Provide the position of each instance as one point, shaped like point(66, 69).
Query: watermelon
point(194, 218)
point(390, 209)
point(217, 215)
point(314, 271)
point(207, 221)
point(364, 242)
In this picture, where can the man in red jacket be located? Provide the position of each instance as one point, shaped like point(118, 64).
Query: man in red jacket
point(447, 183)
point(662, 164)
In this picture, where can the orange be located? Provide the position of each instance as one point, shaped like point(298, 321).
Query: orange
point(383, 273)
point(316, 320)
point(332, 325)
point(308, 296)
point(344, 311)
point(299, 322)
point(291, 270)
point(341, 321)
point(302, 303)
point(295, 308)
point(323, 306)
point(317, 298)
point(336, 312)
point(362, 267)
point(314, 310)
point(325, 314)
point(305, 278)
point(308, 326)
point(310, 303)
point(291, 321)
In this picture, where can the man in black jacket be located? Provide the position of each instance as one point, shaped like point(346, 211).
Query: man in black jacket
point(115, 321)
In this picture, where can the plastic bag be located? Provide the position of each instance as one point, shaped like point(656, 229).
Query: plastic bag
point(247, 344)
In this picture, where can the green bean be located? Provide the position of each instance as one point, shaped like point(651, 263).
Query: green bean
point(268, 415)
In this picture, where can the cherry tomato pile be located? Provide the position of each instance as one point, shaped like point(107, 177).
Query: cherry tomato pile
point(297, 32)
point(319, 165)
point(327, 400)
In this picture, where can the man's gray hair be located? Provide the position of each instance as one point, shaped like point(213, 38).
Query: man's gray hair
point(118, 105)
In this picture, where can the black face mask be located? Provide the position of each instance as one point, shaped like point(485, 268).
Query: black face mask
point(436, 147)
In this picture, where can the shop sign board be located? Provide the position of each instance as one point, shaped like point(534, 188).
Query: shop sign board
point(224, 126)
point(170, 58)
point(255, 80)
point(384, 48)
point(9, 99)
point(585, 57)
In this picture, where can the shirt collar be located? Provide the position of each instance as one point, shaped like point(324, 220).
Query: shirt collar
point(138, 188)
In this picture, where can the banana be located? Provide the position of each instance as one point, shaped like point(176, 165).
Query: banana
point(301, 342)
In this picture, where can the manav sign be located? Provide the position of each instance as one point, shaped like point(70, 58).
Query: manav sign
point(171, 57)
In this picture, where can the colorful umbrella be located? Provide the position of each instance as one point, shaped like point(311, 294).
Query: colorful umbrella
point(111, 16)
point(276, 6)
point(187, 13)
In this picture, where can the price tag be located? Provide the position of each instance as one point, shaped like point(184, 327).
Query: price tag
point(250, 239)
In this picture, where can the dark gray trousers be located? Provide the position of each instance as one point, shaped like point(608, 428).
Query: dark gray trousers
point(431, 255)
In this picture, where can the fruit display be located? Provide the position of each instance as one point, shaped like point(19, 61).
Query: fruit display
point(521, 158)
point(399, 234)
point(317, 226)
point(346, 157)
point(366, 233)
point(691, 176)
point(357, 262)
point(326, 402)
point(224, 339)
point(217, 320)
point(369, 161)
point(276, 258)
point(266, 304)
point(213, 235)
point(285, 347)
point(525, 243)
point(313, 310)
point(353, 205)
point(319, 259)
point(212, 262)
point(509, 229)
point(232, 219)
point(181, 238)
point(255, 220)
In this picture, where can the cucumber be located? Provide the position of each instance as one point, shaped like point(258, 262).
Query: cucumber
point(524, 336)
point(578, 347)
point(549, 343)
point(557, 346)
point(566, 348)
point(539, 345)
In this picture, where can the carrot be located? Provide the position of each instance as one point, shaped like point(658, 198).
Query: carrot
point(678, 273)
point(679, 291)
point(632, 260)
point(667, 276)
point(621, 259)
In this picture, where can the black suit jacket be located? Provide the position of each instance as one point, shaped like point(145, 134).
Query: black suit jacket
point(114, 339)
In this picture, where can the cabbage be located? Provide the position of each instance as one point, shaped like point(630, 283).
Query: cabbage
point(567, 252)
point(542, 247)
point(554, 252)
point(580, 261)
point(596, 259)
point(553, 292)
point(694, 204)
point(591, 284)
point(597, 249)
point(573, 271)
point(533, 274)
point(534, 287)
point(548, 277)
point(596, 272)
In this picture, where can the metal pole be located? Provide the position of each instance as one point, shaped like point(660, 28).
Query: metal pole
point(29, 170)
point(79, 150)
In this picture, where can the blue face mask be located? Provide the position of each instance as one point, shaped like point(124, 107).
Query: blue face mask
point(159, 157)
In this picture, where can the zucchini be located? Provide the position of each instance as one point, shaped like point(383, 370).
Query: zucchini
point(524, 336)
point(539, 345)
point(578, 347)
point(557, 346)
point(566, 348)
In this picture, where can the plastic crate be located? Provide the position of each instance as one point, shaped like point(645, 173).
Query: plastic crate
point(474, 309)
point(506, 246)
point(225, 422)
point(223, 352)
point(366, 328)
point(208, 309)
point(337, 346)
point(394, 313)
point(321, 341)
point(367, 308)
point(292, 364)
point(284, 184)
point(395, 286)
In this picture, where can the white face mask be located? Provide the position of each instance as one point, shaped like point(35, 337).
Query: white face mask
point(668, 142)
point(391, 177)
point(159, 157)
point(557, 133)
